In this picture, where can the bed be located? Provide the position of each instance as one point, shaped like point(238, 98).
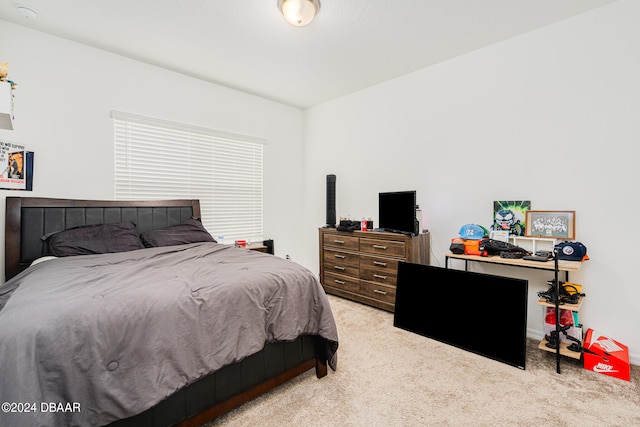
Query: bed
point(169, 333)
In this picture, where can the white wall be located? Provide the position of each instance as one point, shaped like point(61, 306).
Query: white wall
point(550, 117)
point(63, 101)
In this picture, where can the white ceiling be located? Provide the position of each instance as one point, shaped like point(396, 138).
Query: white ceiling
point(247, 45)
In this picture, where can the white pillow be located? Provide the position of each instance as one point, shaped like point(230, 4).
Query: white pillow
point(44, 258)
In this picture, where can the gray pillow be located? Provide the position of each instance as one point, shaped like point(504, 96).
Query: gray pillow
point(190, 231)
point(94, 239)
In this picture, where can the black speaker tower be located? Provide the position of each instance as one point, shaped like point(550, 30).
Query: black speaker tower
point(331, 201)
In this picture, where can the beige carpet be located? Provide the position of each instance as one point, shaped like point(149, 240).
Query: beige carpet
point(390, 377)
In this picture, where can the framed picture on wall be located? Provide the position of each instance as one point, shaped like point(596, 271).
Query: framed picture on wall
point(509, 216)
point(16, 167)
point(552, 224)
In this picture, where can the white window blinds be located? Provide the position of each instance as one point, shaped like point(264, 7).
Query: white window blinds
point(156, 159)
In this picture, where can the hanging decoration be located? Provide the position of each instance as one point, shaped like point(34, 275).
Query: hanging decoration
point(6, 97)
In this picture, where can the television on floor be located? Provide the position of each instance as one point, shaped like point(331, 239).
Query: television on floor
point(397, 212)
point(477, 312)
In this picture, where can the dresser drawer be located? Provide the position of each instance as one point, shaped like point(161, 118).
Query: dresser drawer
point(386, 278)
point(339, 267)
point(379, 292)
point(341, 258)
point(340, 241)
point(383, 247)
point(350, 284)
point(379, 264)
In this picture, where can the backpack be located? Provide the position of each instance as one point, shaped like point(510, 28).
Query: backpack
point(496, 247)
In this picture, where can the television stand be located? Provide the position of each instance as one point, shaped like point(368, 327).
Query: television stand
point(406, 233)
point(363, 265)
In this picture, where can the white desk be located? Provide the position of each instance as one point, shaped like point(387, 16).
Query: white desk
point(566, 266)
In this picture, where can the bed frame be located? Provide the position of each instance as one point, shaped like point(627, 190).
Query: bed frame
point(28, 218)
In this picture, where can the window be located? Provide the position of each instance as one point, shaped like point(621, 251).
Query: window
point(155, 159)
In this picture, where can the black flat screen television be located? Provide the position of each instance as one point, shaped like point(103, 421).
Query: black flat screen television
point(397, 212)
point(481, 313)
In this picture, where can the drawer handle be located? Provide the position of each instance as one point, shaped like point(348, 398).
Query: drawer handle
point(340, 256)
point(377, 276)
point(384, 248)
point(340, 282)
point(382, 264)
point(379, 292)
point(337, 267)
point(340, 242)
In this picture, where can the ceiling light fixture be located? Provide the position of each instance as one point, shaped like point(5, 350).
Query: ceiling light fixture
point(27, 12)
point(299, 12)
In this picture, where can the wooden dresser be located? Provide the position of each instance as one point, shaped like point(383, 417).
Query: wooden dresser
point(363, 265)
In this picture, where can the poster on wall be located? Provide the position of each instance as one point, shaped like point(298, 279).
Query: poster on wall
point(510, 216)
point(16, 165)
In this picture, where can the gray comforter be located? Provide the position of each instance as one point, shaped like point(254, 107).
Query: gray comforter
point(111, 335)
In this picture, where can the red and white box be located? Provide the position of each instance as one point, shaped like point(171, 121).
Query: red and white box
point(606, 356)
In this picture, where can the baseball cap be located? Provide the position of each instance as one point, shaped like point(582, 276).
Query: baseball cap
point(571, 251)
point(472, 232)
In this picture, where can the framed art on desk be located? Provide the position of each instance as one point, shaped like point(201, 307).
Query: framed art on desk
point(552, 224)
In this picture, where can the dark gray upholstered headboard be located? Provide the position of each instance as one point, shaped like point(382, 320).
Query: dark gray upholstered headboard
point(29, 218)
